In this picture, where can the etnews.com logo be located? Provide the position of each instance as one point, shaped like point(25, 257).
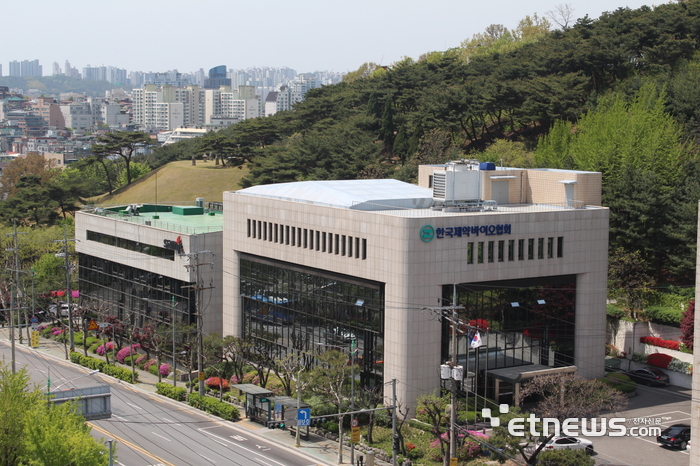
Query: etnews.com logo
point(544, 427)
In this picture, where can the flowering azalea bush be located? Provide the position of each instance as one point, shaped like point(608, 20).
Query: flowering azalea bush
point(127, 351)
point(56, 331)
point(101, 349)
point(659, 360)
point(149, 364)
point(234, 379)
point(164, 369)
point(141, 360)
point(654, 341)
point(679, 366)
point(216, 382)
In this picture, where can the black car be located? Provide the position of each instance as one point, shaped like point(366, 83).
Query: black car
point(676, 436)
point(649, 376)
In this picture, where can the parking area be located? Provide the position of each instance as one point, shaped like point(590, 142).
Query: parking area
point(652, 410)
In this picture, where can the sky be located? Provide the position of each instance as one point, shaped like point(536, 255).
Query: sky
point(305, 35)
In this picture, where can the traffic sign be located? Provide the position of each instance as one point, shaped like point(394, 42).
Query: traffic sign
point(104, 324)
point(35, 339)
point(304, 417)
point(354, 423)
point(93, 325)
point(355, 436)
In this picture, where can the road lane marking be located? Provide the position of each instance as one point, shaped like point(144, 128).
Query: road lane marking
point(237, 445)
point(134, 406)
point(210, 460)
point(130, 445)
point(157, 435)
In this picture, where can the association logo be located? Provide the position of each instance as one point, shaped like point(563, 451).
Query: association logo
point(174, 245)
point(427, 233)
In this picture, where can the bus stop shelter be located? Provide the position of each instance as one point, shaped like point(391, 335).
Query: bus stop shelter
point(258, 402)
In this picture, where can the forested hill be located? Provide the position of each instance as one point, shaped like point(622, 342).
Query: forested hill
point(620, 92)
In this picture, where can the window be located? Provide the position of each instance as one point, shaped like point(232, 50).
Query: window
point(560, 246)
point(550, 248)
point(540, 248)
point(343, 242)
point(294, 236)
point(490, 251)
point(265, 231)
point(349, 246)
point(311, 239)
point(531, 249)
point(521, 249)
point(470, 253)
point(248, 228)
point(480, 253)
point(306, 236)
point(511, 250)
point(337, 240)
point(286, 235)
point(364, 249)
point(501, 247)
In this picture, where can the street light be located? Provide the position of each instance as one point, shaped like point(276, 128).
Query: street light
point(48, 381)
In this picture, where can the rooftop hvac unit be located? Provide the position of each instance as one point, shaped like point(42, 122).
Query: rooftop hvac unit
point(460, 182)
point(199, 202)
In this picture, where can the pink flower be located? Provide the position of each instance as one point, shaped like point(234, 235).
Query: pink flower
point(164, 370)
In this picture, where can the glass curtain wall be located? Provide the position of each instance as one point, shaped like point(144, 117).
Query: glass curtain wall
point(520, 322)
point(132, 294)
point(294, 309)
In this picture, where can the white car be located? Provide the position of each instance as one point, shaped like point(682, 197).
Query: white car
point(569, 443)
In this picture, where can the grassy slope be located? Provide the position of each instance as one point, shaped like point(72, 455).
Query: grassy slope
point(178, 182)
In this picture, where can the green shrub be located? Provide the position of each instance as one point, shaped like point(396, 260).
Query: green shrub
point(213, 406)
point(93, 348)
point(176, 393)
point(615, 312)
point(120, 373)
point(127, 360)
point(664, 315)
point(153, 369)
point(620, 381)
point(91, 341)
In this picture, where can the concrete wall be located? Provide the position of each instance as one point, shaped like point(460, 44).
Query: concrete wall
point(625, 335)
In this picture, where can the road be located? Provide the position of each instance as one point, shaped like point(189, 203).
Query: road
point(150, 430)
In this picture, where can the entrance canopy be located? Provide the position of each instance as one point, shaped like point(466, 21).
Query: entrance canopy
point(519, 374)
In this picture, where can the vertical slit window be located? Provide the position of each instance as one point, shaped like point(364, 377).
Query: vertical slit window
point(299, 237)
point(269, 232)
point(501, 252)
point(511, 250)
point(349, 246)
point(364, 249)
point(560, 246)
point(311, 239)
point(357, 248)
point(337, 246)
point(470, 253)
point(330, 242)
point(343, 242)
point(540, 248)
point(550, 248)
point(323, 238)
point(521, 249)
point(294, 236)
point(248, 228)
point(306, 235)
point(480, 252)
point(490, 251)
point(277, 227)
point(265, 231)
point(318, 240)
point(286, 235)
point(530, 248)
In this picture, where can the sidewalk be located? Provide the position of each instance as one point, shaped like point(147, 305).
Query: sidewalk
point(324, 450)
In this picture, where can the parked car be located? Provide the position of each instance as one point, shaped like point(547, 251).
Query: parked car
point(338, 334)
point(63, 312)
point(569, 443)
point(676, 436)
point(649, 376)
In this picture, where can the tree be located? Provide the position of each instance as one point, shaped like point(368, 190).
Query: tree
point(628, 279)
point(35, 432)
point(688, 325)
point(562, 15)
point(122, 144)
point(434, 408)
point(33, 164)
point(30, 205)
point(562, 396)
point(330, 380)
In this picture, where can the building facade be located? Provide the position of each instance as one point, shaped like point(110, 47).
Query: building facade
point(376, 261)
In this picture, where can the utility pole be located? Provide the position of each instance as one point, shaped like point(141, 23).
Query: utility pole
point(198, 288)
point(66, 255)
point(172, 322)
point(453, 318)
point(394, 449)
point(13, 304)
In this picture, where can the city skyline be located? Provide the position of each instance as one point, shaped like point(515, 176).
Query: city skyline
point(306, 36)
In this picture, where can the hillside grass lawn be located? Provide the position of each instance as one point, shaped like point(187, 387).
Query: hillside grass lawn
point(177, 183)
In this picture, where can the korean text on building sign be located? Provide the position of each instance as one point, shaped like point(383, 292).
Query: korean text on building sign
point(458, 232)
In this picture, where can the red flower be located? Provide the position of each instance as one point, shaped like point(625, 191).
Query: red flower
point(659, 360)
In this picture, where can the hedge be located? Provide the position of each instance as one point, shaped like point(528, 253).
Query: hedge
point(120, 373)
point(661, 343)
point(213, 406)
point(620, 382)
point(664, 315)
point(176, 393)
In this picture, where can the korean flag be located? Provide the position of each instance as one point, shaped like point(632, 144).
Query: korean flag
point(476, 340)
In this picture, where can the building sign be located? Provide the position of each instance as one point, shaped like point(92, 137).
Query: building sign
point(174, 245)
point(427, 232)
